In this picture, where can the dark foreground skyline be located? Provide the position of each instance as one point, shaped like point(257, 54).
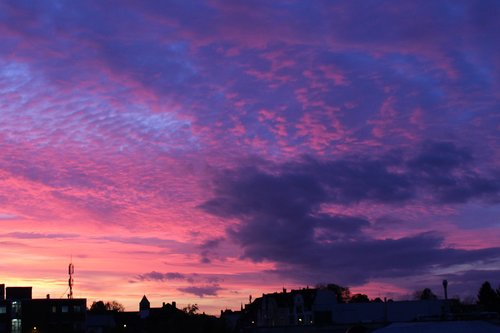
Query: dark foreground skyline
point(326, 308)
point(207, 150)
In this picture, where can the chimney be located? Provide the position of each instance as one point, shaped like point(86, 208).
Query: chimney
point(445, 287)
point(48, 296)
point(174, 304)
point(284, 290)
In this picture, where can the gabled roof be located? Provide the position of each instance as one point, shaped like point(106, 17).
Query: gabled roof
point(144, 301)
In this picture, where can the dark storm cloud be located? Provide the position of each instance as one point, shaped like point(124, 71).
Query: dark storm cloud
point(353, 260)
point(208, 249)
point(354, 180)
point(211, 243)
point(338, 227)
point(463, 189)
point(297, 188)
point(449, 173)
point(440, 157)
point(281, 218)
point(249, 191)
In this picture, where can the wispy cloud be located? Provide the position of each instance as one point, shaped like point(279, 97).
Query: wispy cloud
point(202, 291)
point(157, 276)
point(8, 217)
point(34, 235)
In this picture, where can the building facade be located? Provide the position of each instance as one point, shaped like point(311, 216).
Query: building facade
point(320, 307)
point(20, 313)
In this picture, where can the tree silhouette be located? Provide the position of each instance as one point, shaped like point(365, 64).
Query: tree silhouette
point(101, 307)
point(425, 294)
point(359, 298)
point(488, 297)
point(115, 306)
point(343, 293)
point(191, 309)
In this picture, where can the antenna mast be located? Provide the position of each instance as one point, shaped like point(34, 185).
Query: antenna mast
point(71, 271)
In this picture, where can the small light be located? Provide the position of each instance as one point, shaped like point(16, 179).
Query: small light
point(300, 319)
point(125, 325)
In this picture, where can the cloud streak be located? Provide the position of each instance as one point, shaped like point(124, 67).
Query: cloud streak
point(202, 291)
point(157, 276)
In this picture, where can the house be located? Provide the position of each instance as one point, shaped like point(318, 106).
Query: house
point(320, 307)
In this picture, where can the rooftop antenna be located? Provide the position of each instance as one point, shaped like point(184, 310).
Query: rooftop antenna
point(71, 271)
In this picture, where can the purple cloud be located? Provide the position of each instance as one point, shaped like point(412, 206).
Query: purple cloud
point(157, 276)
point(281, 218)
point(202, 291)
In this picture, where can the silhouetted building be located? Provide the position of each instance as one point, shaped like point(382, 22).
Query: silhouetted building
point(54, 315)
point(101, 322)
point(20, 313)
point(304, 307)
point(230, 319)
point(319, 307)
point(19, 293)
point(167, 318)
point(144, 307)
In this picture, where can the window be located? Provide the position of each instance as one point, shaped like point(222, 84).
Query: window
point(16, 326)
point(64, 309)
point(76, 308)
point(3, 309)
point(16, 308)
point(54, 309)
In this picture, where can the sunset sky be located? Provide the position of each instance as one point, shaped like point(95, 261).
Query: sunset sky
point(205, 151)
